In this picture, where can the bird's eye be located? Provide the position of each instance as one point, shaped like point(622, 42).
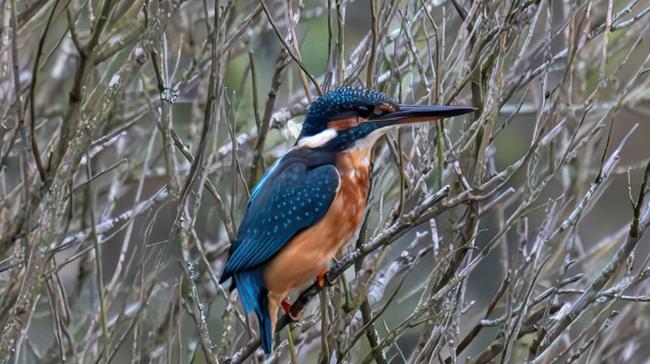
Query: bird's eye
point(364, 111)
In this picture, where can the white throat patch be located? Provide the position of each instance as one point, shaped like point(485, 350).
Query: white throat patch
point(317, 140)
point(370, 139)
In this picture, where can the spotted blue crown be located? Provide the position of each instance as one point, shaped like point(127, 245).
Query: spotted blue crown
point(343, 99)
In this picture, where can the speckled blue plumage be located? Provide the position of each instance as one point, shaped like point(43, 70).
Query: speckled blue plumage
point(283, 204)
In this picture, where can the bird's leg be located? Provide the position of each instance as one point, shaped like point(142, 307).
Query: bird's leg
point(322, 280)
point(286, 307)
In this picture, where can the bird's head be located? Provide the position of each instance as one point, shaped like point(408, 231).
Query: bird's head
point(347, 116)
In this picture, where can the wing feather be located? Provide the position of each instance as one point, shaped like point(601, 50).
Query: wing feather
point(291, 197)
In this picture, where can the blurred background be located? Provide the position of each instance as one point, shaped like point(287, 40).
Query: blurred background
point(131, 133)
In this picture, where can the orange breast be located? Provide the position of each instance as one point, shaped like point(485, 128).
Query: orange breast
point(311, 250)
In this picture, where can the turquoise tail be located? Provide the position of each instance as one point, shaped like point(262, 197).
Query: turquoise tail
point(254, 297)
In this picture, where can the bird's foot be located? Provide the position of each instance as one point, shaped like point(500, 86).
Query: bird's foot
point(322, 280)
point(286, 307)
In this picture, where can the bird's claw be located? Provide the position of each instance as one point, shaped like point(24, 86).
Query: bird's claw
point(286, 307)
point(323, 280)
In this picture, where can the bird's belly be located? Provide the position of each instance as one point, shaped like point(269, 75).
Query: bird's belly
point(309, 252)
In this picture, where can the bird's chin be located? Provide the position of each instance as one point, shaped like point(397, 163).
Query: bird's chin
point(371, 139)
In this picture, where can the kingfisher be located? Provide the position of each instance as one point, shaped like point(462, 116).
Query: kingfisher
point(312, 201)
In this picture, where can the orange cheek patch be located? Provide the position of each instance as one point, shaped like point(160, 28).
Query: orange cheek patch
point(343, 124)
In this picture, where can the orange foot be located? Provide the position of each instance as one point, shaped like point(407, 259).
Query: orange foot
point(286, 307)
point(322, 280)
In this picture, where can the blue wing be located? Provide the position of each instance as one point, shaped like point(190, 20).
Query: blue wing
point(292, 196)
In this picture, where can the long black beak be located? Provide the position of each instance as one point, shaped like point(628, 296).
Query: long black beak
point(420, 113)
